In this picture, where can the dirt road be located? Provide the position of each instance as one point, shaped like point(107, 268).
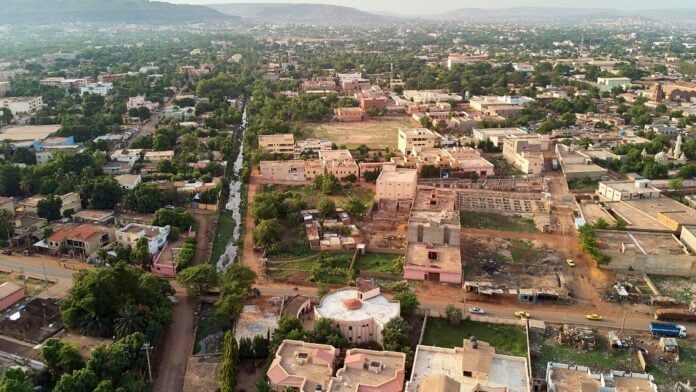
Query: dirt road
point(249, 257)
point(205, 235)
point(178, 345)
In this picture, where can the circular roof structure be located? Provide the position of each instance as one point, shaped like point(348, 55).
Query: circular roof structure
point(352, 303)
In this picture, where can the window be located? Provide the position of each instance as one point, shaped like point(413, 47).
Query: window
point(467, 373)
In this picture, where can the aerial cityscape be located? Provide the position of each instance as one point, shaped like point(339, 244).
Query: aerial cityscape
point(353, 196)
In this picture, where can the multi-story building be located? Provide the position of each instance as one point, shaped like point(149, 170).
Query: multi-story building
point(277, 143)
point(156, 236)
point(369, 102)
point(473, 367)
point(340, 163)
point(607, 84)
point(158, 156)
point(302, 366)
point(283, 170)
point(97, 88)
point(128, 156)
point(349, 114)
point(81, 241)
point(465, 59)
point(396, 183)
point(433, 252)
point(311, 146)
point(627, 190)
point(415, 138)
point(20, 105)
point(497, 135)
point(525, 152)
point(361, 316)
point(431, 96)
point(128, 181)
point(140, 101)
point(369, 370)
point(459, 161)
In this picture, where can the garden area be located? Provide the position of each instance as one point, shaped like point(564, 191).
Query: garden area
point(493, 221)
point(380, 262)
point(507, 339)
point(225, 227)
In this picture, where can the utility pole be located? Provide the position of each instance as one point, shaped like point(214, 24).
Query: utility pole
point(147, 348)
point(623, 321)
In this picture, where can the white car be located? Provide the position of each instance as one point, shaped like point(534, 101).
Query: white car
point(477, 310)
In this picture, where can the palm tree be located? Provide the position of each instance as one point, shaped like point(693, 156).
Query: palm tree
point(128, 321)
point(95, 325)
point(25, 184)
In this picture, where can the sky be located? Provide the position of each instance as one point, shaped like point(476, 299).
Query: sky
point(437, 6)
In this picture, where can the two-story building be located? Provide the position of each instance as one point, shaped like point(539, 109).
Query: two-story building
point(156, 236)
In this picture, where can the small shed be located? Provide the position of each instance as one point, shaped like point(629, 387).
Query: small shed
point(10, 294)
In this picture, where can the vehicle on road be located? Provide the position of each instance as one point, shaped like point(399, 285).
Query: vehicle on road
point(522, 314)
point(476, 310)
point(675, 314)
point(570, 262)
point(667, 329)
point(594, 316)
point(7, 252)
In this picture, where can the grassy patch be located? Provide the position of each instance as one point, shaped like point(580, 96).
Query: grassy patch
point(375, 133)
point(380, 262)
point(523, 252)
point(507, 339)
point(602, 359)
point(679, 288)
point(686, 367)
point(582, 183)
point(493, 221)
point(225, 227)
point(334, 267)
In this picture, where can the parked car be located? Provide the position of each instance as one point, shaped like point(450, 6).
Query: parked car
point(522, 314)
point(7, 252)
point(476, 310)
point(594, 316)
point(570, 262)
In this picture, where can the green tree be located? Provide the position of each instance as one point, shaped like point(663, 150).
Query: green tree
point(408, 301)
point(15, 380)
point(228, 368)
point(60, 357)
point(129, 321)
point(325, 332)
point(430, 171)
point(23, 155)
point(395, 336)
point(104, 193)
point(654, 170)
point(601, 223)
point(268, 233)
point(454, 314)
point(354, 206)
point(175, 217)
point(145, 198)
point(49, 208)
point(6, 225)
point(141, 254)
point(326, 208)
point(198, 279)
point(676, 184)
point(83, 380)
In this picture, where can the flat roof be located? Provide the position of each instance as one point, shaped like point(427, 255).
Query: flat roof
point(649, 243)
point(29, 132)
point(286, 368)
point(628, 186)
point(399, 175)
point(488, 132)
point(359, 370)
point(93, 214)
point(582, 168)
point(277, 137)
point(333, 306)
point(416, 132)
point(448, 257)
point(450, 218)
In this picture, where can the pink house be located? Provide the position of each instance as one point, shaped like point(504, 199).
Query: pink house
point(433, 251)
point(10, 294)
point(302, 366)
point(162, 265)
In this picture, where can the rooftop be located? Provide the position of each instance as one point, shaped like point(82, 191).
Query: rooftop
point(487, 368)
point(335, 306)
point(434, 199)
point(628, 187)
point(442, 257)
point(302, 365)
point(410, 132)
point(29, 133)
point(648, 243)
point(335, 155)
point(574, 378)
point(382, 370)
point(8, 288)
point(93, 214)
point(84, 233)
point(449, 218)
point(488, 132)
point(398, 175)
point(277, 138)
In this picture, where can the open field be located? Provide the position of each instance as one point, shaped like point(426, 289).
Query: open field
point(679, 288)
point(380, 262)
point(377, 134)
point(493, 221)
point(225, 227)
point(507, 339)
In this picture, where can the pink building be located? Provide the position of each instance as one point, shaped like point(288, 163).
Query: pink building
point(433, 251)
point(10, 294)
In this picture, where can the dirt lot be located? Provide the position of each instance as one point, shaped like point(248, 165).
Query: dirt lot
point(516, 263)
point(386, 234)
point(379, 133)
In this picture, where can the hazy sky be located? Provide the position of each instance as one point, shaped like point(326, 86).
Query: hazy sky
point(435, 6)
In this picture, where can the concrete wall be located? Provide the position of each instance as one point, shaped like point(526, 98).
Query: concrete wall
point(433, 234)
point(420, 273)
point(677, 265)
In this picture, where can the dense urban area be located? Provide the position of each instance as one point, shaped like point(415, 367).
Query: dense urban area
point(315, 198)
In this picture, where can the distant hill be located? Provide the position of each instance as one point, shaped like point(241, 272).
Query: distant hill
point(311, 14)
point(560, 14)
point(104, 11)
point(679, 14)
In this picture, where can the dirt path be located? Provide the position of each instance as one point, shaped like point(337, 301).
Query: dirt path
point(205, 234)
point(177, 346)
point(249, 257)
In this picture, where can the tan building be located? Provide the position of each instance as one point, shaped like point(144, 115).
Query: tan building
point(340, 163)
point(396, 183)
point(525, 152)
point(277, 143)
point(433, 251)
point(283, 170)
point(70, 201)
point(562, 377)
point(302, 366)
point(497, 135)
point(349, 114)
point(369, 370)
point(414, 138)
point(20, 105)
point(156, 236)
point(360, 315)
point(462, 160)
point(158, 156)
point(473, 367)
point(81, 241)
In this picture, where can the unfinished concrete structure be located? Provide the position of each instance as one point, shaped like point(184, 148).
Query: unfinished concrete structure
point(433, 251)
point(473, 367)
point(562, 377)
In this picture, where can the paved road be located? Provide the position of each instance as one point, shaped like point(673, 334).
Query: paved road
point(57, 271)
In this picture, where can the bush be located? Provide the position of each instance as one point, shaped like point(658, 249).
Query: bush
point(454, 314)
point(186, 254)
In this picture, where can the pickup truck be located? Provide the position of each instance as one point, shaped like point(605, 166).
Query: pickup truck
point(665, 329)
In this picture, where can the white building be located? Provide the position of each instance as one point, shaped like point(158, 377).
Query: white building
point(607, 84)
point(97, 88)
point(19, 105)
point(627, 190)
point(156, 236)
point(128, 181)
point(561, 377)
point(129, 156)
point(360, 316)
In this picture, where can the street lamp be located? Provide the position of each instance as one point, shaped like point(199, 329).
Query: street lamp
point(147, 348)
